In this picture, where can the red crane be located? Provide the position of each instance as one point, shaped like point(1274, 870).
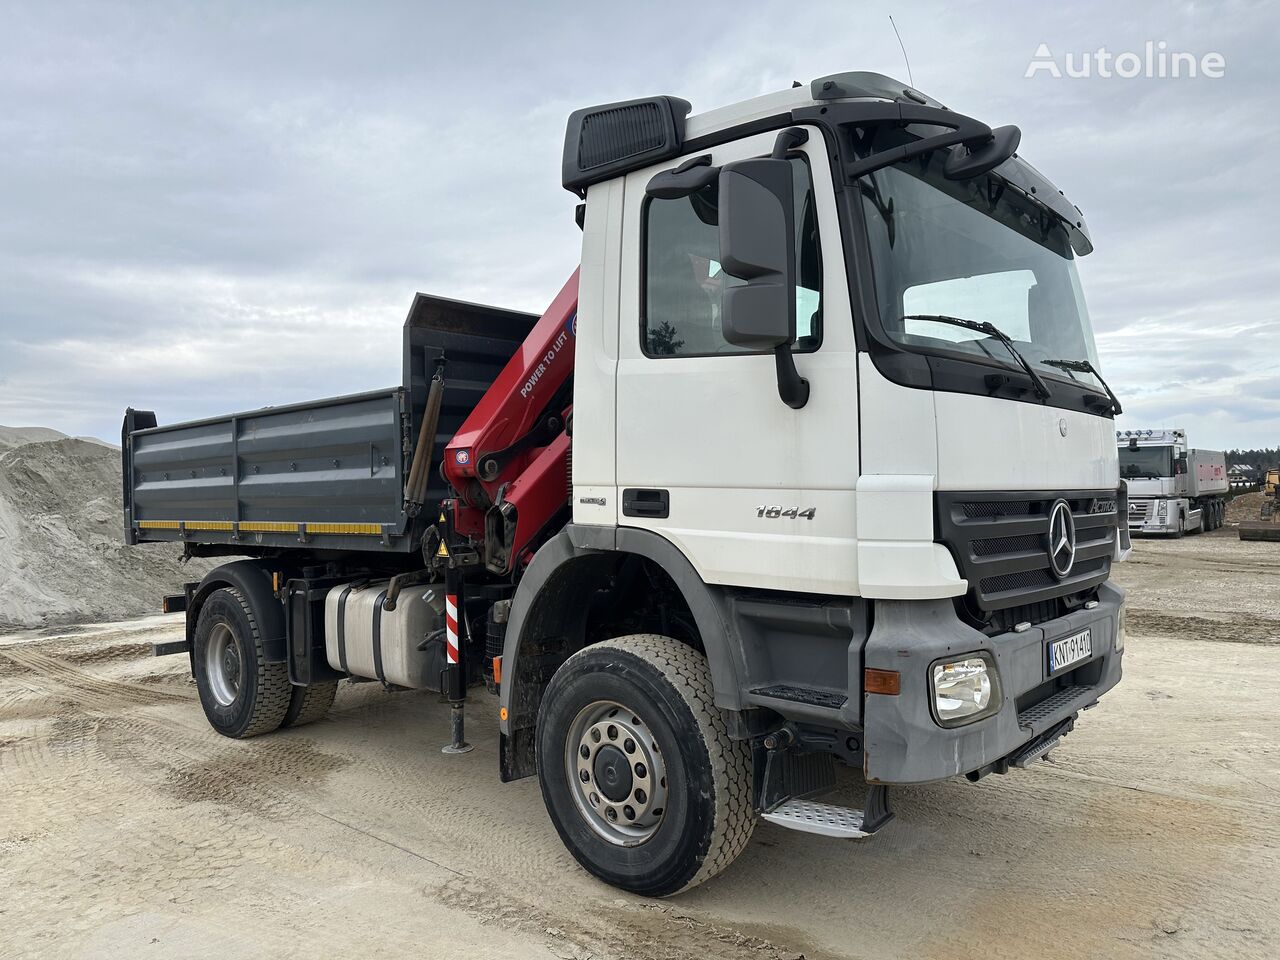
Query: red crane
point(509, 461)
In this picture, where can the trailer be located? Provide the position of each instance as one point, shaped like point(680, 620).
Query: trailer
point(1173, 488)
point(737, 508)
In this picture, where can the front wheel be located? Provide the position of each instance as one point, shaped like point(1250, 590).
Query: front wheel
point(638, 772)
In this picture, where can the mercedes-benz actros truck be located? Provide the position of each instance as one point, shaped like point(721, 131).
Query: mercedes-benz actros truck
point(1173, 488)
point(809, 464)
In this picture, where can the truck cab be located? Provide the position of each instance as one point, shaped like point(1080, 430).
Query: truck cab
point(810, 464)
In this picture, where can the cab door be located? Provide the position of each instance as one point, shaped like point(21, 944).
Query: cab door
point(753, 492)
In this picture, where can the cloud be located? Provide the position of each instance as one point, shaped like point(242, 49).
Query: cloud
point(210, 207)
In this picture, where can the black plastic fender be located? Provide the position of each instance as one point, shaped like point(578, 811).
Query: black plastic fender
point(253, 579)
point(553, 568)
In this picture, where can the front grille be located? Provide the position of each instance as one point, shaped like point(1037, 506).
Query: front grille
point(1140, 510)
point(1002, 621)
point(1000, 542)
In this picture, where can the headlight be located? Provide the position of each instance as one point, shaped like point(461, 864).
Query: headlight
point(964, 690)
point(1162, 510)
point(1120, 629)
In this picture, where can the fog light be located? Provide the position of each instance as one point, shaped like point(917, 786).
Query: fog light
point(964, 690)
point(1120, 629)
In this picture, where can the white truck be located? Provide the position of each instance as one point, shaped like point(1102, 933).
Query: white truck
point(842, 488)
point(1173, 488)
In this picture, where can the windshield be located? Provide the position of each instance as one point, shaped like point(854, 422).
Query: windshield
point(976, 250)
point(1146, 463)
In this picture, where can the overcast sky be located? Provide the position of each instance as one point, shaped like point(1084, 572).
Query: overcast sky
point(214, 206)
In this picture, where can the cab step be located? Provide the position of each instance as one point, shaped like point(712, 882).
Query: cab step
point(831, 820)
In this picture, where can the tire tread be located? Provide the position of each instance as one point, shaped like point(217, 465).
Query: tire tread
point(310, 703)
point(274, 690)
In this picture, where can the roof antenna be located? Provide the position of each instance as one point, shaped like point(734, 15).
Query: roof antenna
point(910, 79)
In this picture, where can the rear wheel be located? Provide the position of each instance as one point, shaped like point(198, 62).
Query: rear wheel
point(638, 772)
point(242, 694)
point(308, 704)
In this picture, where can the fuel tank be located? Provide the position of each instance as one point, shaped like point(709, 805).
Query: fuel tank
point(403, 647)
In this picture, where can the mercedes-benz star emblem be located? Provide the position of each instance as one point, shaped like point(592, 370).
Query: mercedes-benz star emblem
point(1062, 540)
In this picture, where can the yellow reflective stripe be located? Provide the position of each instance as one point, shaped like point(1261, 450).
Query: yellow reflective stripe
point(360, 528)
point(265, 526)
point(271, 526)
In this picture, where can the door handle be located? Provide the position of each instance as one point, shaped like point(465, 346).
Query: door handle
point(655, 504)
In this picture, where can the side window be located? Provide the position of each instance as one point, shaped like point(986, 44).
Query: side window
point(683, 280)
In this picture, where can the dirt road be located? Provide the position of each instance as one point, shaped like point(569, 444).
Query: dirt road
point(129, 829)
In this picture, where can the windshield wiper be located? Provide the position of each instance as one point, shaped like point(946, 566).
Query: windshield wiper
point(991, 330)
point(1084, 366)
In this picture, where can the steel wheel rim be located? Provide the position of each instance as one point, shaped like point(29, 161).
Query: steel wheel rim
point(223, 665)
point(626, 810)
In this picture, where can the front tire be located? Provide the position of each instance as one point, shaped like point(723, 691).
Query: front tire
point(638, 772)
point(242, 694)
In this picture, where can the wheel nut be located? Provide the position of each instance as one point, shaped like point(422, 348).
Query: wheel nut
point(586, 776)
point(641, 771)
point(611, 813)
point(629, 812)
point(584, 751)
point(629, 745)
point(613, 732)
point(641, 796)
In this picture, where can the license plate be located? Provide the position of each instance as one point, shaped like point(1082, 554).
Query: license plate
point(1063, 653)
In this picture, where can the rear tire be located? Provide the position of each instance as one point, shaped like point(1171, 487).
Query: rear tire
point(242, 694)
point(310, 703)
point(672, 792)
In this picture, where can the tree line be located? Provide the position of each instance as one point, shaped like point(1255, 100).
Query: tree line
point(1260, 457)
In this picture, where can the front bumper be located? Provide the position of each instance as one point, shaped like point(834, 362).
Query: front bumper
point(1143, 516)
point(903, 742)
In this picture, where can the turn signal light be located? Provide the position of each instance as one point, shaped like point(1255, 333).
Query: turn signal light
point(887, 682)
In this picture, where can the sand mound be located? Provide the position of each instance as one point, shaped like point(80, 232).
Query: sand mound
point(11, 437)
point(1246, 506)
point(62, 556)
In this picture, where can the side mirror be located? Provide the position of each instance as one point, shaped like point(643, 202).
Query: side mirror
point(757, 245)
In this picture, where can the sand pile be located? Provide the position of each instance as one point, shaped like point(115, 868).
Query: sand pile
point(62, 556)
point(1247, 506)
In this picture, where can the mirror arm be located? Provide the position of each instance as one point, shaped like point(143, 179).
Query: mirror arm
point(962, 129)
point(792, 388)
point(787, 141)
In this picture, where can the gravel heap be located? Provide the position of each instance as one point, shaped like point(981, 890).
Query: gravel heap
point(62, 553)
point(1247, 506)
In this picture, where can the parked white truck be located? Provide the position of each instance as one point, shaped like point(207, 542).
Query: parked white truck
point(1173, 488)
